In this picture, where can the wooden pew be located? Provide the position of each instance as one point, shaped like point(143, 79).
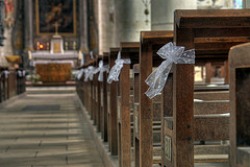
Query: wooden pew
point(11, 84)
point(150, 42)
point(20, 77)
point(104, 100)
point(239, 61)
point(98, 106)
point(136, 71)
point(87, 90)
point(129, 50)
point(211, 33)
point(3, 85)
point(156, 121)
point(112, 107)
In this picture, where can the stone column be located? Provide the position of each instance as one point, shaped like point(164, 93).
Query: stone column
point(163, 12)
point(7, 48)
point(28, 30)
point(83, 30)
point(247, 3)
point(120, 21)
point(130, 19)
point(8, 28)
point(106, 25)
point(28, 19)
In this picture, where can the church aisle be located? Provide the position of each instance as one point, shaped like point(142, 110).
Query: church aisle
point(46, 130)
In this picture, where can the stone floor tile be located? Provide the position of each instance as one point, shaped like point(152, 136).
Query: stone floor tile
point(44, 130)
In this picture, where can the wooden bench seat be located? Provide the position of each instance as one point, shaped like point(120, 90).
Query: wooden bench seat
point(211, 107)
point(206, 127)
point(211, 95)
point(215, 158)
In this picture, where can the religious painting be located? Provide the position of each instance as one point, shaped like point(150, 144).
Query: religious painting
point(56, 16)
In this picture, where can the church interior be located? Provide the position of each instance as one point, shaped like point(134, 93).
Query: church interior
point(128, 83)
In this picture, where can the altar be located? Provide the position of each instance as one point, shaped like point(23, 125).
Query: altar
point(54, 65)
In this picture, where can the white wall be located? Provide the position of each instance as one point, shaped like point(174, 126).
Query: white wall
point(120, 20)
point(163, 12)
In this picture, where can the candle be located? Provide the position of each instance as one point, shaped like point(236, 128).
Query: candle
point(29, 54)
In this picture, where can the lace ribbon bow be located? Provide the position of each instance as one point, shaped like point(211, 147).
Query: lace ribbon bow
point(79, 74)
point(21, 73)
point(101, 69)
point(6, 73)
point(89, 73)
point(172, 54)
point(116, 69)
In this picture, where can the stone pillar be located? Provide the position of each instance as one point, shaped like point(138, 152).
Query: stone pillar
point(93, 39)
point(120, 21)
point(28, 30)
point(28, 19)
point(106, 25)
point(83, 30)
point(163, 12)
point(9, 24)
point(247, 3)
point(7, 45)
point(130, 19)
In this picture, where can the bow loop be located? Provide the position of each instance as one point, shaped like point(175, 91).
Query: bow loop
point(172, 54)
point(79, 74)
point(19, 73)
point(89, 73)
point(6, 73)
point(101, 69)
point(116, 69)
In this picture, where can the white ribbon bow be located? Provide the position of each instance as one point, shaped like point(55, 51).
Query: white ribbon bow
point(79, 74)
point(116, 69)
point(101, 69)
point(91, 54)
point(20, 73)
point(172, 54)
point(82, 59)
point(89, 73)
point(6, 73)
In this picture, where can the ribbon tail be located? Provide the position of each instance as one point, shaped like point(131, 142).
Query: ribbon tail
point(150, 79)
point(115, 73)
point(100, 76)
point(158, 79)
point(86, 76)
point(110, 77)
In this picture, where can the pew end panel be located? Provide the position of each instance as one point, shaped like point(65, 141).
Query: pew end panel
point(239, 61)
point(129, 50)
point(112, 111)
point(151, 41)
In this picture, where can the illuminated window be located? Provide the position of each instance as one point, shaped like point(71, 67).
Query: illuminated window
point(238, 4)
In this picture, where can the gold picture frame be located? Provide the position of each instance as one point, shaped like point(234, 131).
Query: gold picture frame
point(55, 15)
